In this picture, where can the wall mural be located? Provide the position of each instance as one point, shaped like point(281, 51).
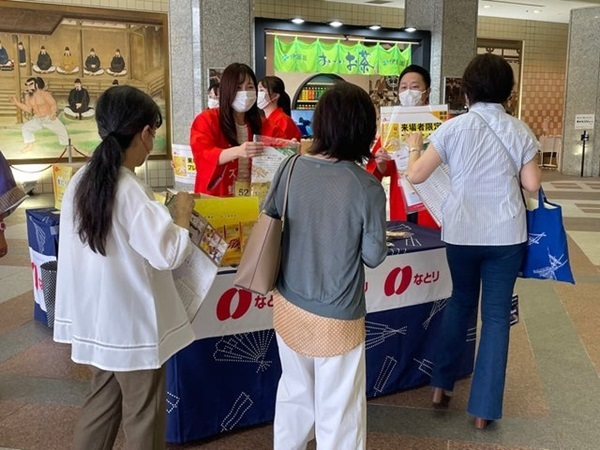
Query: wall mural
point(49, 83)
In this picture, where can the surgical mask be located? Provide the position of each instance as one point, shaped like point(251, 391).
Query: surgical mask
point(411, 97)
point(244, 101)
point(213, 103)
point(263, 99)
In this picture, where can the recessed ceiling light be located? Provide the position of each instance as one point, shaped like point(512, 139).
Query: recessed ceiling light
point(298, 20)
point(487, 6)
point(537, 11)
point(336, 23)
point(375, 27)
point(410, 29)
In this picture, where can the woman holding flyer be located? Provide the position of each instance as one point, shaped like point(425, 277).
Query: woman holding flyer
point(221, 138)
point(116, 301)
point(490, 155)
point(414, 88)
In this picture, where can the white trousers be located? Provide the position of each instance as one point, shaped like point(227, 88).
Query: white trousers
point(323, 398)
point(37, 123)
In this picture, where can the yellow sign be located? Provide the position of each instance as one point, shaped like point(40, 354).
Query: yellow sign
point(233, 218)
point(61, 175)
point(397, 122)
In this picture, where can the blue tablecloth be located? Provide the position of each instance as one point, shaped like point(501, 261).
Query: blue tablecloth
point(221, 383)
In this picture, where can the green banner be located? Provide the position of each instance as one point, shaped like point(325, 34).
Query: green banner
point(340, 58)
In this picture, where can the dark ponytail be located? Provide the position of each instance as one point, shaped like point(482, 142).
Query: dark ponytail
point(275, 85)
point(121, 113)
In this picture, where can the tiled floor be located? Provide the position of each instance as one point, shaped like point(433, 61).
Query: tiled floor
point(552, 393)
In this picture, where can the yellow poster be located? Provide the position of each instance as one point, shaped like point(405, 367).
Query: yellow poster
point(397, 122)
point(233, 218)
point(61, 175)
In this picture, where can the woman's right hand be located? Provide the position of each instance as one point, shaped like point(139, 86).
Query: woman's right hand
point(382, 157)
point(183, 206)
point(251, 149)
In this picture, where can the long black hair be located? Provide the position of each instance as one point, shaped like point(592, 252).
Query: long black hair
point(121, 113)
point(275, 85)
point(233, 75)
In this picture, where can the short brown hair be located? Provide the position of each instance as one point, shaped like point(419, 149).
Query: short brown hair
point(344, 123)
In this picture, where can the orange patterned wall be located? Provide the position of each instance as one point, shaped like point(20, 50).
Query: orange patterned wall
point(543, 98)
point(544, 62)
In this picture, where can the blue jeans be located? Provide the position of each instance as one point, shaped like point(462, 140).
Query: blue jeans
point(495, 269)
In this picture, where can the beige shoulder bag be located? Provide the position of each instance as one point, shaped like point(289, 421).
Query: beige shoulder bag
point(259, 266)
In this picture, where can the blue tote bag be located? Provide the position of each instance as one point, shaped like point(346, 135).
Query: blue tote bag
point(547, 256)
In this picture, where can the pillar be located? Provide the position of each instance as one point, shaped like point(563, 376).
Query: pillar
point(203, 34)
point(582, 94)
point(453, 26)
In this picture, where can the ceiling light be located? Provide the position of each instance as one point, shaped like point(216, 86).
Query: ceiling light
point(537, 11)
point(410, 29)
point(375, 27)
point(298, 20)
point(487, 6)
point(336, 23)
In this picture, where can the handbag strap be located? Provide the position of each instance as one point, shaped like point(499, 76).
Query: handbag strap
point(292, 161)
point(508, 155)
point(287, 188)
point(501, 144)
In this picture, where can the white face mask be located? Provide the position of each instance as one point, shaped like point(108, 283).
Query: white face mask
point(411, 97)
point(263, 99)
point(213, 103)
point(244, 101)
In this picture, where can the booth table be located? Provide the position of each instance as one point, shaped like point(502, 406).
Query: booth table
point(228, 377)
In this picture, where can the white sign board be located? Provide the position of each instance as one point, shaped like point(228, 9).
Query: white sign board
point(183, 167)
point(584, 121)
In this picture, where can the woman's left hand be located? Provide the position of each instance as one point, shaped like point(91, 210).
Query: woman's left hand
point(415, 140)
point(251, 149)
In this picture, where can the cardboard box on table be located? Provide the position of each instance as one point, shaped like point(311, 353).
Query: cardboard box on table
point(61, 175)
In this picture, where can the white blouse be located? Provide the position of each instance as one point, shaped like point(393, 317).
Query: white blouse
point(485, 206)
point(121, 312)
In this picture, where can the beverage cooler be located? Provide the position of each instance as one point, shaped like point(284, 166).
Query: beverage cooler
point(306, 97)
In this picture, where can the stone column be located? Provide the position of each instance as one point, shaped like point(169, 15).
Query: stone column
point(203, 34)
point(453, 26)
point(582, 94)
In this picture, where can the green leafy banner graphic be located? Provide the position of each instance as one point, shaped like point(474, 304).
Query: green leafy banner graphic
point(356, 59)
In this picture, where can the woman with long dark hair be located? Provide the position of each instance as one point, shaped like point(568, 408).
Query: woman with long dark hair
point(276, 104)
point(221, 138)
point(116, 302)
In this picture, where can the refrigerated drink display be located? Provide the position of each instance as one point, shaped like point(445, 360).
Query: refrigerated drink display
point(306, 98)
point(310, 91)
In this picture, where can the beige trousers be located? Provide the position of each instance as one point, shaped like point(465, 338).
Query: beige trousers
point(138, 398)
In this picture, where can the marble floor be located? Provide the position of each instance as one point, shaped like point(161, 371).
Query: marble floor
point(552, 392)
